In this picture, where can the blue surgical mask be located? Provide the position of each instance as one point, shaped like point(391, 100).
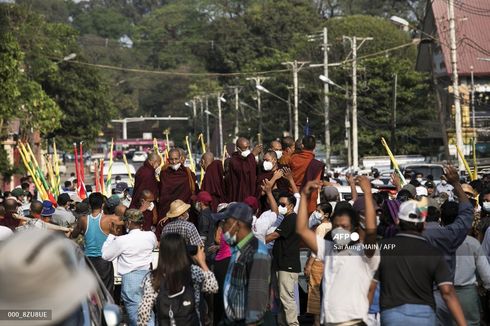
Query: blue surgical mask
point(230, 239)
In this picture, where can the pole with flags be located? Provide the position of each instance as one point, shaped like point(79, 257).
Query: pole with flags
point(109, 170)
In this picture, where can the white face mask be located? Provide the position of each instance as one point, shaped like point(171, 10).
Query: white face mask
point(283, 210)
point(341, 236)
point(443, 182)
point(176, 166)
point(268, 165)
point(256, 159)
point(317, 215)
point(419, 179)
point(279, 154)
point(486, 206)
point(150, 208)
point(246, 153)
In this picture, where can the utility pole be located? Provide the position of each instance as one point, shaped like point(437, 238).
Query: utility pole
point(347, 128)
point(220, 124)
point(393, 121)
point(207, 121)
point(237, 111)
point(295, 66)
point(258, 81)
point(355, 146)
point(201, 105)
point(454, 68)
point(473, 124)
point(326, 108)
point(290, 117)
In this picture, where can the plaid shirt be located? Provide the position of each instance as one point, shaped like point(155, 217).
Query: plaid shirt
point(186, 229)
point(246, 286)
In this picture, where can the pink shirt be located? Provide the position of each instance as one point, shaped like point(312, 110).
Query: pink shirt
point(224, 249)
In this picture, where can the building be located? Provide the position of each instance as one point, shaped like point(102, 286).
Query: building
point(473, 52)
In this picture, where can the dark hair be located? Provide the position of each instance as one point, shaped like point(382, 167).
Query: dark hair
point(25, 186)
point(276, 193)
point(109, 210)
point(67, 184)
point(404, 195)
point(481, 198)
point(291, 198)
point(433, 214)
point(309, 143)
point(376, 174)
point(344, 208)
point(449, 212)
point(96, 200)
point(24, 179)
point(415, 183)
point(287, 142)
point(326, 208)
point(410, 226)
point(174, 264)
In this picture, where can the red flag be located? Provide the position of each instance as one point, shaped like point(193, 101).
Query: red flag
point(81, 192)
point(82, 166)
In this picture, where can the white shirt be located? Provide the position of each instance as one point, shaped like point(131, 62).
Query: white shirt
point(261, 225)
point(5, 232)
point(347, 277)
point(377, 182)
point(133, 251)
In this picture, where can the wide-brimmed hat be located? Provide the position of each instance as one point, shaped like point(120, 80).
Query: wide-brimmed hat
point(48, 208)
point(41, 269)
point(177, 208)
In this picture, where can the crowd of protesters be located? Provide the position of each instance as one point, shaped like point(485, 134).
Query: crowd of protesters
point(229, 245)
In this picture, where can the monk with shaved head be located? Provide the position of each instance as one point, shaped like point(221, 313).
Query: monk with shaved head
point(213, 181)
point(145, 179)
point(176, 182)
point(242, 171)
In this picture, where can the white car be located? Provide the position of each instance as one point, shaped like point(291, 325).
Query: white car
point(140, 156)
point(119, 169)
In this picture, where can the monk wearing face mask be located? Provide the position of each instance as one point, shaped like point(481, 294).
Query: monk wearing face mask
point(240, 180)
point(176, 182)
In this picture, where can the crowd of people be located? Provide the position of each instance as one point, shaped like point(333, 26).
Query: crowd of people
point(230, 247)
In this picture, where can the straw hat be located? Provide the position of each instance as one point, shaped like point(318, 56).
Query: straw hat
point(177, 208)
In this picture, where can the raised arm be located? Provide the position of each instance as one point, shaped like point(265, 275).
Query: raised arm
point(307, 235)
point(289, 176)
point(370, 214)
point(352, 184)
point(267, 188)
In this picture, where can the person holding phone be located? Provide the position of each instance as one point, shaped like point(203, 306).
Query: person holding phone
point(176, 286)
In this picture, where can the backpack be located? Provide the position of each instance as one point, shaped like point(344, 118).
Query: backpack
point(178, 309)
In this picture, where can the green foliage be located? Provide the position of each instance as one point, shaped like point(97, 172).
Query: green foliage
point(11, 59)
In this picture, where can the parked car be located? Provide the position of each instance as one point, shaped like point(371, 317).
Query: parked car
point(119, 169)
point(436, 170)
point(139, 156)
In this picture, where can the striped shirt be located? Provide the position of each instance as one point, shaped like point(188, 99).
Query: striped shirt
point(246, 286)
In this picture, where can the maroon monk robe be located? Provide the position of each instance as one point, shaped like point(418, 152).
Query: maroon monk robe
point(214, 183)
point(241, 178)
point(144, 180)
point(262, 199)
point(9, 221)
point(180, 184)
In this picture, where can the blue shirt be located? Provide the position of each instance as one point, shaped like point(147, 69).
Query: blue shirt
point(94, 236)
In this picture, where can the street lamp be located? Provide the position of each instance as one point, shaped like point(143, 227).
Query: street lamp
point(403, 23)
point(331, 82)
point(220, 122)
point(261, 88)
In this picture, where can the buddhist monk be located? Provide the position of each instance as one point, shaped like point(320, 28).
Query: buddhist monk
point(267, 172)
point(145, 179)
point(276, 146)
point(213, 181)
point(149, 210)
point(240, 180)
point(287, 145)
point(305, 168)
point(176, 182)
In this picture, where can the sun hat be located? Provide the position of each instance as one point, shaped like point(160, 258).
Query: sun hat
point(238, 211)
point(468, 190)
point(41, 269)
point(413, 211)
point(177, 208)
point(48, 208)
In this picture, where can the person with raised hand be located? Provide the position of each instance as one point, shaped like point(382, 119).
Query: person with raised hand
point(349, 264)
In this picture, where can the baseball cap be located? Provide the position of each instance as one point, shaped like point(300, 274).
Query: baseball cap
point(64, 199)
point(239, 211)
point(133, 215)
point(48, 208)
point(413, 211)
point(203, 197)
point(17, 192)
point(411, 189)
point(429, 184)
point(113, 201)
point(41, 269)
point(120, 187)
